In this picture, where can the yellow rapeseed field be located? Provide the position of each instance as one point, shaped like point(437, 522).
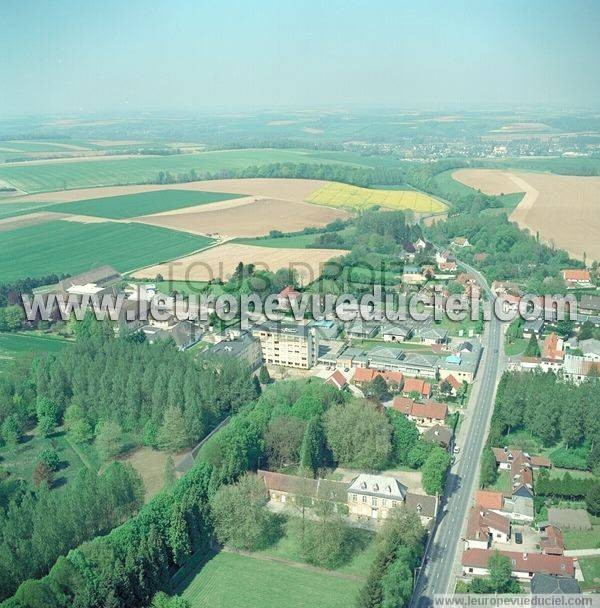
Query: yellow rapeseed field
point(343, 195)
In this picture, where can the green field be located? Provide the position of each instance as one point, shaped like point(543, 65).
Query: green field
point(590, 567)
point(298, 241)
point(20, 460)
point(582, 539)
point(234, 581)
point(14, 209)
point(143, 203)
point(59, 145)
point(452, 189)
point(68, 247)
point(84, 174)
point(14, 344)
point(286, 548)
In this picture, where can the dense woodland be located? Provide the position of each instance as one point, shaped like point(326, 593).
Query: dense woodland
point(134, 561)
point(153, 391)
point(551, 411)
point(37, 525)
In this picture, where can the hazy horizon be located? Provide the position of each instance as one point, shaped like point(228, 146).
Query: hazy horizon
point(194, 57)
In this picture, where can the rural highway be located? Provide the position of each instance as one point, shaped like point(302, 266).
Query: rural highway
point(443, 551)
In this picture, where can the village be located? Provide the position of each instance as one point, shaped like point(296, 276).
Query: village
point(423, 370)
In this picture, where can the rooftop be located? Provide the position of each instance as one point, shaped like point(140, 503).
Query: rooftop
point(378, 485)
point(522, 562)
point(275, 327)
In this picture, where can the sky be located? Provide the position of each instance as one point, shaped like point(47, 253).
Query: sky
point(61, 57)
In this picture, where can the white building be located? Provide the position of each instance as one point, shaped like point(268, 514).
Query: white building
point(287, 345)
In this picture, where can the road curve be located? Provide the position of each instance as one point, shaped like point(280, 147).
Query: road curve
point(438, 573)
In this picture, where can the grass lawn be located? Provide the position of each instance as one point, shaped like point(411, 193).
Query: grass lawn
point(454, 327)
point(143, 203)
point(68, 247)
point(558, 472)
point(515, 347)
point(20, 460)
point(234, 581)
point(286, 549)
point(590, 566)
point(523, 440)
point(14, 344)
point(582, 539)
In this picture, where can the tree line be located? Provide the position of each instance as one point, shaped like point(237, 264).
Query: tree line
point(336, 172)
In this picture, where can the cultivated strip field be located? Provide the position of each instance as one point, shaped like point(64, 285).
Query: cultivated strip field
point(68, 247)
point(280, 188)
point(221, 261)
point(564, 209)
point(229, 580)
point(257, 218)
point(131, 205)
point(354, 197)
point(489, 181)
point(52, 175)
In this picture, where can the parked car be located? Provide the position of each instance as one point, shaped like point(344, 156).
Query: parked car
point(456, 449)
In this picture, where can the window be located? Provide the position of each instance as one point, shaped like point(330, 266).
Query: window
point(394, 504)
point(470, 569)
point(364, 499)
point(373, 501)
point(383, 502)
point(354, 497)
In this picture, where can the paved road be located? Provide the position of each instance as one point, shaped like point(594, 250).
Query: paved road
point(438, 574)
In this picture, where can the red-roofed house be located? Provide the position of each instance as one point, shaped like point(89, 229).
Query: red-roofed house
point(454, 383)
point(286, 296)
point(553, 348)
point(575, 278)
point(551, 541)
point(447, 266)
point(524, 565)
point(416, 385)
point(423, 414)
point(487, 499)
point(363, 375)
point(485, 527)
point(403, 405)
point(337, 380)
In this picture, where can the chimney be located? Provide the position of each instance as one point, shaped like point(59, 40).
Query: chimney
point(524, 557)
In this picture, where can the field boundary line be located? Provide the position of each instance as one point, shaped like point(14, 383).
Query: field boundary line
point(211, 246)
